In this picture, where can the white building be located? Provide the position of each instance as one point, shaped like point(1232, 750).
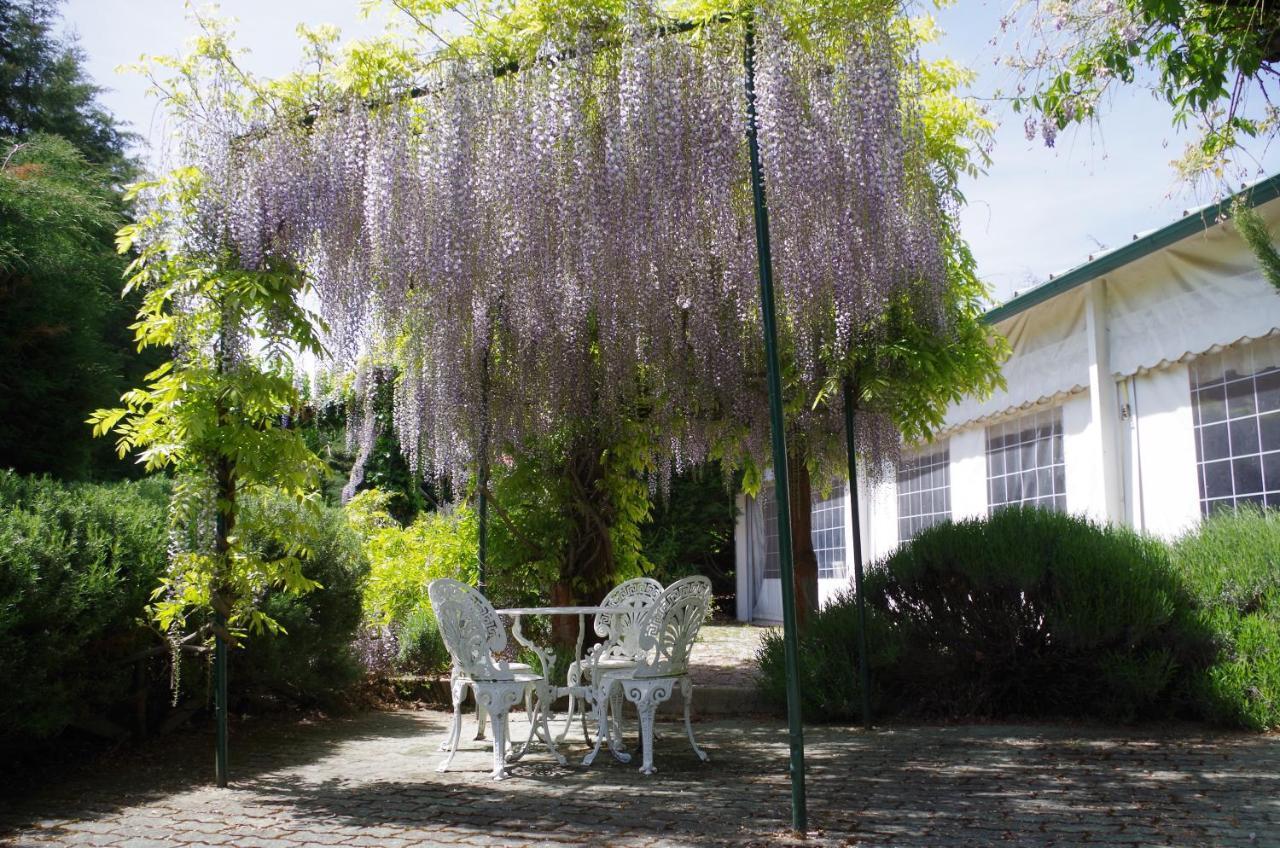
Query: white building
point(1143, 389)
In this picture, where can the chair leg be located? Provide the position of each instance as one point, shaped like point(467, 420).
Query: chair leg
point(546, 697)
point(480, 716)
point(647, 695)
point(600, 704)
point(517, 753)
point(686, 689)
point(498, 698)
point(457, 711)
point(573, 678)
point(601, 709)
point(458, 692)
point(615, 725)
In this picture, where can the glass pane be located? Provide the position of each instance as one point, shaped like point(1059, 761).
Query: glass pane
point(1248, 475)
point(1045, 481)
point(1029, 487)
point(1213, 404)
point(1244, 436)
point(1028, 456)
point(1013, 488)
point(1057, 448)
point(1217, 479)
point(1271, 471)
point(1240, 399)
point(1269, 391)
point(1213, 442)
point(1225, 504)
point(1270, 427)
point(995, 464)
point(1044, 452)
point(1059, 479)
point(1256, 500)
point(996, 493)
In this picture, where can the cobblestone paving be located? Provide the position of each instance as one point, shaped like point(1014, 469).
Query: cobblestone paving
point(724, 654)
point(371, 781)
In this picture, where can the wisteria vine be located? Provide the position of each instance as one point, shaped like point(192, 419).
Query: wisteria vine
point(577, 238)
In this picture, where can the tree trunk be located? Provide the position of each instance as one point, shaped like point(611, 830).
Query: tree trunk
point(589, 565)
point(804, 560)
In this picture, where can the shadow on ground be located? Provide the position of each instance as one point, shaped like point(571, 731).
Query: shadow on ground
point(372, 779)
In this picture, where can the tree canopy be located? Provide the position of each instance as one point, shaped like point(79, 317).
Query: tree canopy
point(44, 88)
point(64, 340)
point(591, 210)
point(1213, 61)
point(60, 321)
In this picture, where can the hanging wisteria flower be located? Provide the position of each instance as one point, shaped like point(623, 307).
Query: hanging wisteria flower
point(577, 238)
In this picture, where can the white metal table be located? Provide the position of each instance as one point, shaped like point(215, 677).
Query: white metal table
point(546, 656)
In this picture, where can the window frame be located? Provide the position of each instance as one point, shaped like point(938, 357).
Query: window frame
point(1027, 452)
point(1235, 419)
point(912, 516)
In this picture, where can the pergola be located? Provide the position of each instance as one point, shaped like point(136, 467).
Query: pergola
point(468, 230)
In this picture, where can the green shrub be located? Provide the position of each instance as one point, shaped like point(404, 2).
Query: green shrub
point(1231, 565)
point(1024, 613)
point(690, 529)
point(313, 660)
point(77, 566)
point(403, 561)
point(421, 648)
point(830, 687)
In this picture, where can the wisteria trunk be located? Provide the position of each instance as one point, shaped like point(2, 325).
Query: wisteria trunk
point(589, 564)
point(804, 560)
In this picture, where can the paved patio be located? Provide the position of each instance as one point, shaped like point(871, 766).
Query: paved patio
point(371, 780)
point(725, 654)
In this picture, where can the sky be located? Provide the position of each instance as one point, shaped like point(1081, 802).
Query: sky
point(1036, 211)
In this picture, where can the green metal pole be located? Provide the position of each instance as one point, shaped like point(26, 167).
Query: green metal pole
point(799, 813)
point(220, 702)
point(864, 665)
point(220, 671)
point(482, 475)
point(482, 510)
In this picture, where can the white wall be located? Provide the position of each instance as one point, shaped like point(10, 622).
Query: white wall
point(969, 473)
point(742, 560)
point(1167, 496)
point(1081, 438)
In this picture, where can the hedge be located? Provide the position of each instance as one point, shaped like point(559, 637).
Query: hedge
point(1036, 614)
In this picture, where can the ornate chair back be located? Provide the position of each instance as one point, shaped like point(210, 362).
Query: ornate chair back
point(470, 628)
point(670, 625)
point(623, 628)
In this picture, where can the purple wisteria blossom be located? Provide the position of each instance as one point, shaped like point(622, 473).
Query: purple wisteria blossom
point(578, 237)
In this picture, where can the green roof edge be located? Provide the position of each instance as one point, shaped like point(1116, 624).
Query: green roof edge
point(1197, 222)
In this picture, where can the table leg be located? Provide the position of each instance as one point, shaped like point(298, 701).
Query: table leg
point(538, 704)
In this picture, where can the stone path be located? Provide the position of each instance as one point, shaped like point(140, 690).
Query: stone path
point(371, 780)
point(724, 654)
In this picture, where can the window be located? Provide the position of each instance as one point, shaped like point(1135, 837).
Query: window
point(924, 492)
point(1235, 406)
point(827, 530)
point(769, 505)
point(1024, 462)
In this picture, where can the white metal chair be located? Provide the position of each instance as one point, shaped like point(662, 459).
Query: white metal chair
point(458, 684)
point(621, 633)
point(667, 631)
point(473, 633)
